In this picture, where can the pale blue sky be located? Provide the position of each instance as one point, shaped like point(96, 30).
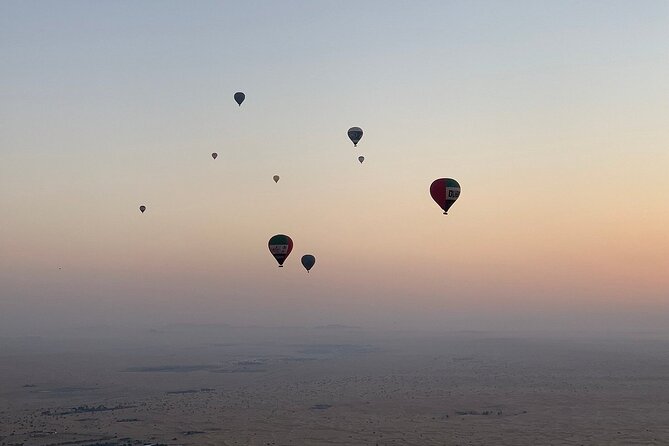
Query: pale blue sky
point(552, 115)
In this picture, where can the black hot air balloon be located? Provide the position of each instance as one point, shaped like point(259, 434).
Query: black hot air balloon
point(214, 155)
point(239, 98)
point(355, 135)
point(308, 261)
point(142, 208)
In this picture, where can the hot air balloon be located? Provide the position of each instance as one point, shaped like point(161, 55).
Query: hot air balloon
point(361, 159)
point(355, 134)
point(239, 98)
point(308, 261)
point(142, 208)
point(214, 155)
point(280, 246)
point(276, 178)
point(445, 191)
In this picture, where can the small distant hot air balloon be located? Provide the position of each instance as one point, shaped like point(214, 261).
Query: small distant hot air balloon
point(308, 261)
point(276, 178)
point(142, 208)
point(445, 191)
point(280, 246)
point(214, 155)
point(361, 159)
point(239, 98)
point(355, 135)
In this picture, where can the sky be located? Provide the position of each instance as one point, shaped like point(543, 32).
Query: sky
point(552, 115)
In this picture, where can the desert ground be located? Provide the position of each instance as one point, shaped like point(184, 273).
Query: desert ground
point(332, 385)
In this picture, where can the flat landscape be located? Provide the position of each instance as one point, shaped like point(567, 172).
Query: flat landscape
point(221, 385)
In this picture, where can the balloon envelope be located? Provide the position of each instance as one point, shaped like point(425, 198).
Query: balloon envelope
point(355, 135)
point(239, 97)
point(280, 246)
point(276, 178)
point(444, 192)
point(361, 158)
point(142, 208)
point(214, 155)
point(308, 261)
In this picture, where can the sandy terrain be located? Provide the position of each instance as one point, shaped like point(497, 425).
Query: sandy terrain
point(229, 386)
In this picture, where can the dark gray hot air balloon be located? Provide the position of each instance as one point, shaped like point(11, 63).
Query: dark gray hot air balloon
point(308, 261)
point(142, 208)
point(239, 97)
point(276, 178)
point(355, 135)
point(214, 155)
point(361, 159)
